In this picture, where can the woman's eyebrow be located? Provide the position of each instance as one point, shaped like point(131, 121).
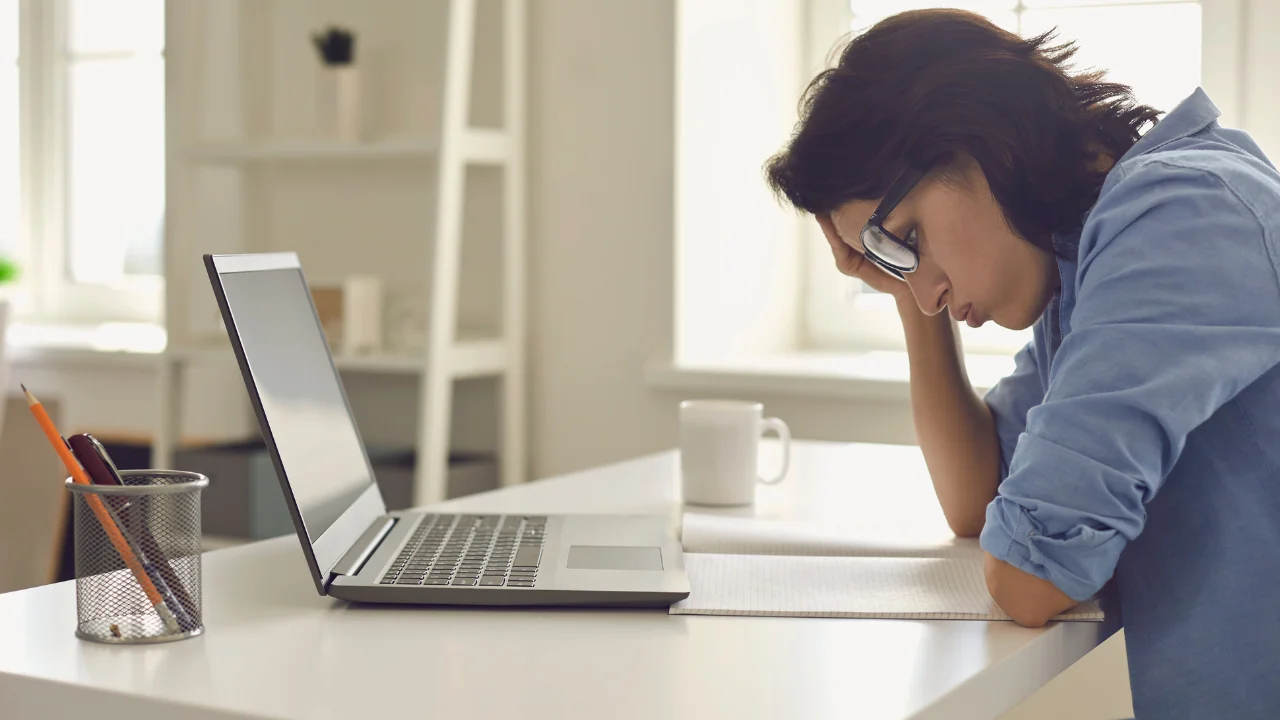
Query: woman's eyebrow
point(898, 219)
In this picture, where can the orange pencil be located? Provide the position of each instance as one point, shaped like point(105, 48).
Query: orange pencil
point(100, 510)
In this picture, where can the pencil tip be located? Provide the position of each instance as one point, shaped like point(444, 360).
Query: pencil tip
point(24, 387)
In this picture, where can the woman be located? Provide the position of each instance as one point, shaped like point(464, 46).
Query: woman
point(1134, 453)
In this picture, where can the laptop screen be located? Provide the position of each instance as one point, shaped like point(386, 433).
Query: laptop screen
point(300, 392)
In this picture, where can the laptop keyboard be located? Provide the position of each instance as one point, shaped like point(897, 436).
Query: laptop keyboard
point(469, 550)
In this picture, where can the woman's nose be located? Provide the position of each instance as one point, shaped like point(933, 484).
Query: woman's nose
point(929, 289)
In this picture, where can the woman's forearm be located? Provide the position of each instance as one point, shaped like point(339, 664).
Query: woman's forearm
point(953, 425)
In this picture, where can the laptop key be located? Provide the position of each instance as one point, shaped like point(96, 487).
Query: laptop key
point(495, 581)
point(436, 581)
point(527, 557)
point(463, 581)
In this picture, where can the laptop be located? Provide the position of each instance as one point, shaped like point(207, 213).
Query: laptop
point(359, 551)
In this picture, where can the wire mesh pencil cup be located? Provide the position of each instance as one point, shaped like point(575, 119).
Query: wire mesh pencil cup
point(154, 596)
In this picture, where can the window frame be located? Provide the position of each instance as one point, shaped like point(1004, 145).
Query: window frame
point(47, 292)
point(836, 315)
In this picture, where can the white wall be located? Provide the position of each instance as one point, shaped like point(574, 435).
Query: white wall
point(601, 140)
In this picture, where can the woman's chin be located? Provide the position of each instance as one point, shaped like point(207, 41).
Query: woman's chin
point(1018, 322)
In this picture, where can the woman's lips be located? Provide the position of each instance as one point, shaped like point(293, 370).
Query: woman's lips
point(971, 317)
point(966, 315)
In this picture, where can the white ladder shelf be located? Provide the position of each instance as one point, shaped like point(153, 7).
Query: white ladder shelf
point(447, 358)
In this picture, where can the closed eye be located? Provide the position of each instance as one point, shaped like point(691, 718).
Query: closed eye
point(912, 240)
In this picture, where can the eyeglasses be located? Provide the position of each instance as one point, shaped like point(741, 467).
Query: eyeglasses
point(894, 254)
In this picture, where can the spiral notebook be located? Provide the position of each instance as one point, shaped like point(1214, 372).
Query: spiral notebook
point(745, 566)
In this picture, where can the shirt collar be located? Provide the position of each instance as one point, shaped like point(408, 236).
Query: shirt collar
point(1192, 115)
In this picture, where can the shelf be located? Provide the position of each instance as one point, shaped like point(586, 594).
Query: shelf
point(386, 363)
point(313, 150)
point(481, 146)
point(478, 358)
point(472, 358)
point(437, 161)
point(486, 147)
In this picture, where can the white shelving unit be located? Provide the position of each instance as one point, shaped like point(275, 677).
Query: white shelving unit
point(457, 146)
point(479, 146)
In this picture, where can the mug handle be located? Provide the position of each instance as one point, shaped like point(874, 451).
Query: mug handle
point(784, 434)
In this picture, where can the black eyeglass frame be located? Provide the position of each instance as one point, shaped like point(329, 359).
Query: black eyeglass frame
point(898, 191)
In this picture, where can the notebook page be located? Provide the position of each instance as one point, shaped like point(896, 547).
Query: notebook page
point(852, 587)
point(735, 535)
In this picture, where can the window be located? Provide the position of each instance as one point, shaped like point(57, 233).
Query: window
point(9, 167)
point(82, 116)
point(1162, 67)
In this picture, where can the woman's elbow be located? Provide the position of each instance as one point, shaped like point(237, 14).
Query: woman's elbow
point(1028, 600)
point(967, 525)
point(1028, 619)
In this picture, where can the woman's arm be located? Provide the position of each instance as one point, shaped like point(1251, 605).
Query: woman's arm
point(953, 425)
point(1163, 334)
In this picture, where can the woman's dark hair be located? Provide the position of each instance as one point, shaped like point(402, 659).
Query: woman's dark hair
point(930, 87)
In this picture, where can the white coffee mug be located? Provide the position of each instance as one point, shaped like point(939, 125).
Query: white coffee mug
point(719, 450)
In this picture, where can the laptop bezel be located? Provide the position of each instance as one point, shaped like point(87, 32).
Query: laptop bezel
point(329, 548)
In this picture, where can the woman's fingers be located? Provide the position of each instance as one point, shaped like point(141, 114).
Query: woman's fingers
point(847, 259)
point(853, 263)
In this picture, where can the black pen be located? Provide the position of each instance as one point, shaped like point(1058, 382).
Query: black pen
point(102, 470)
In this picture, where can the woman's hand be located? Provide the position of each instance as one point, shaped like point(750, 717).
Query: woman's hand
point(851, 262)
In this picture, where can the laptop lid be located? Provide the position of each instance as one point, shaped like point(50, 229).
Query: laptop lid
point(300, 403)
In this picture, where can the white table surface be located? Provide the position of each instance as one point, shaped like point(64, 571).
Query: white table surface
point(274, 648)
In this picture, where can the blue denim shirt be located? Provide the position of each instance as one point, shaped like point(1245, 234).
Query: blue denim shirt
point(1140, 430)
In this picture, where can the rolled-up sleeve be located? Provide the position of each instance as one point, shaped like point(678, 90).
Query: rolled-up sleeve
point(1178, 310)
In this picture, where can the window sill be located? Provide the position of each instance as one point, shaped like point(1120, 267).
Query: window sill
point(129, 344)
point(881, 376)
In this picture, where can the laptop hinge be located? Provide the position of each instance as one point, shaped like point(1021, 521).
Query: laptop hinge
point(362, 549)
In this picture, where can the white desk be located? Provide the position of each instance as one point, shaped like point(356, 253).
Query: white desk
point(273, 648)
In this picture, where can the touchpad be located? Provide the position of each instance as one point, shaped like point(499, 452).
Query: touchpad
point(603, 557)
